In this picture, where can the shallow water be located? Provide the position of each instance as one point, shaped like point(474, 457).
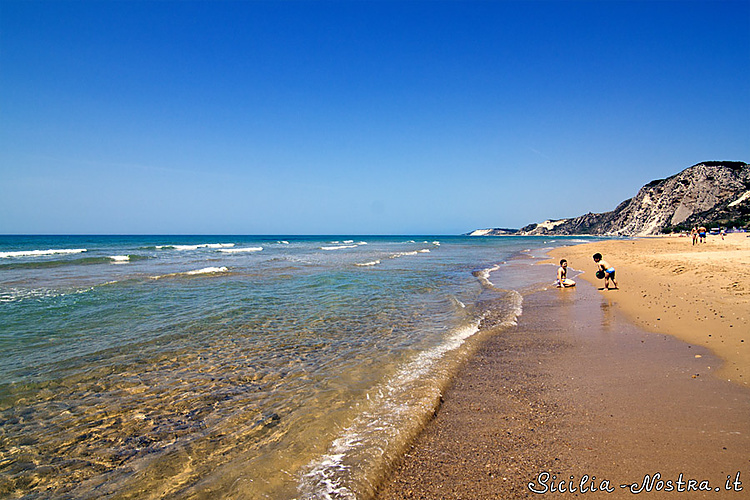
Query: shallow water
point(243, 367)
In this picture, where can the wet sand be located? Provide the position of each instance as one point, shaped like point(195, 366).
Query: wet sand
point(698, 293)
point(578, 389)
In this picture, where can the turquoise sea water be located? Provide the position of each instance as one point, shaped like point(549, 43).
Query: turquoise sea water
point(233, 366)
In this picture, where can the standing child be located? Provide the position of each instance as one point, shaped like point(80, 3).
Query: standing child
point(609, 271)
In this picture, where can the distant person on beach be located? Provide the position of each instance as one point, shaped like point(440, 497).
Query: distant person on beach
point(723, 233)
point(702, 234)
point(694, 234)
point(606, 269)
point(562, 276)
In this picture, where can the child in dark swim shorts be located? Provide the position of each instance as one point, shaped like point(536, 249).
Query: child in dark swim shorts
point(609, 271)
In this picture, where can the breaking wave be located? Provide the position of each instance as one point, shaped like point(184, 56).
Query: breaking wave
point(241, 250)
point(40, 253)
point(338, 247)
point(19, 295)
point(483, 275)
point(368, 264)
point(194, 247)
point(197, 272)
point(394, 413)
point(405, 254)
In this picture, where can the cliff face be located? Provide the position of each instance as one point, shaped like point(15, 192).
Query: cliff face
point(701, 194)
point(493, 232)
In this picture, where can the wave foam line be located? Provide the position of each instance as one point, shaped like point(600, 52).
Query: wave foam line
point(339, 247)
point(205, 270)
point(484, 275)
point(19, 295)
point(241, 250)
point(405, 254)
point(393, 417)
point(120, 259)
point(366, 264)
point(40, 253)
point(195, 247)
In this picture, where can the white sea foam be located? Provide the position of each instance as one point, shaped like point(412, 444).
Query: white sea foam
point(516, 300)
point(459, 303)
point(208, 270)
point(196, 247)
point(283, 242)
point(120, 259)
point(405, 254)
point(366, 264)
point(205, 270)
point(241, 250)
point(390, 416)
point(484, 275)
point(41, 253)
point(18, 294)
point(338, 247)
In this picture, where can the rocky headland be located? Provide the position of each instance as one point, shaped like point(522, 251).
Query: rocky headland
point(712, 193)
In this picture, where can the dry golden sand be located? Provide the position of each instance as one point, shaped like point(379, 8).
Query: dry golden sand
point(698, 293)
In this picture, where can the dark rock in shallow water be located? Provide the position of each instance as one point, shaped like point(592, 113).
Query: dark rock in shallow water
point(270, 420)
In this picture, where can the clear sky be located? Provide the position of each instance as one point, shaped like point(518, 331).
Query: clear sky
point(357, 117)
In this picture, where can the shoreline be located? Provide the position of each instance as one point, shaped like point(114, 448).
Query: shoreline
point(578, 389)
point(700, 294)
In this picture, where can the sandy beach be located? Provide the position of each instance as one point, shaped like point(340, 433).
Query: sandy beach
point(698, 293)
point(617, 385)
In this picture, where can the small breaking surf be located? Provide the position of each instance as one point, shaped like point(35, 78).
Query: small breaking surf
point(341, 245)
point(41, 253)
point(241, 250)
point(483, 275)
point(406, 254)
point(194, 247)
point(197, 272)
point(368, 264)
point(396, 410)
point(20, 295)
point(338, 247)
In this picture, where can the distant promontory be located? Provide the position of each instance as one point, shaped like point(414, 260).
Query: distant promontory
point(711, 193)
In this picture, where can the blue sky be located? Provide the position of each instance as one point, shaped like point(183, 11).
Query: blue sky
point(357, 117)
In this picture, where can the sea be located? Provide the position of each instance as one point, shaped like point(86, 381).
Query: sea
point(243, 367)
